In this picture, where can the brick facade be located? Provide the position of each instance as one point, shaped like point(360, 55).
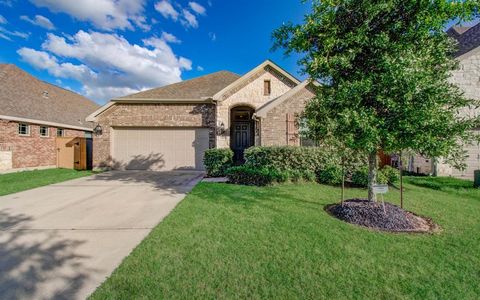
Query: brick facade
point(251, 94)
point(149, 115)
point(32, 150)
point(274, 125)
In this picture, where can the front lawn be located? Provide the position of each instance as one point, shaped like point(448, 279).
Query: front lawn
point(230, 241)
point(21, 181)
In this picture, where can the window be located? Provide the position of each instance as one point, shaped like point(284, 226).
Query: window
point(267, 88)
point(60, 132)
point(23, 129)
point(44, 131)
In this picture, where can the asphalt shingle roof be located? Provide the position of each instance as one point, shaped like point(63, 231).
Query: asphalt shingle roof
point(24, 96)
point(192, 89)
point(468, 38)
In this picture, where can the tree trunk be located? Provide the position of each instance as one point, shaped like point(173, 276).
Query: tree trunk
point(372, 175)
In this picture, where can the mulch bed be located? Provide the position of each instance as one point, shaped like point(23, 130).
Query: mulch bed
point(371, 214)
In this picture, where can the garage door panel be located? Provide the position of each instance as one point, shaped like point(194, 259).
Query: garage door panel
point(159, 148)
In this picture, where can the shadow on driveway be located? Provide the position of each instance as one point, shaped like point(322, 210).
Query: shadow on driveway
point(29, 259)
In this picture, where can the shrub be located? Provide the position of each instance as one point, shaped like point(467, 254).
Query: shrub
point(360, 177)
point(256, 176)
point(392, 174)
point(301, 175)
point(330, 175)
point(217, 161)
point(288, 158)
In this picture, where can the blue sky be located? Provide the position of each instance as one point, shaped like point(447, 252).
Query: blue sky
point(108, 48)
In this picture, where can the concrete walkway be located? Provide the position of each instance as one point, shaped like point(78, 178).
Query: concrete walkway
point(62, 241)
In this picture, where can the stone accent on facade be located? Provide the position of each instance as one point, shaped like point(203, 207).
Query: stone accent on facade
point(274, 125)
point(251, 94)
point(467, 78)
point(149, 115)
point(32, 150)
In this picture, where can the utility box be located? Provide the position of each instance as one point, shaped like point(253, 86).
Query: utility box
point(476, 178)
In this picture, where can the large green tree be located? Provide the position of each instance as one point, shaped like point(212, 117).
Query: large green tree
point(385, 68)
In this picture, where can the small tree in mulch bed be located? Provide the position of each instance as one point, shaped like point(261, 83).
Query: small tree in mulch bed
point(385, 69)
point(369, 214)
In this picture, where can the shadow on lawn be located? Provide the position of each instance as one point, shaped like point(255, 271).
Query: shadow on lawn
point(29, 259)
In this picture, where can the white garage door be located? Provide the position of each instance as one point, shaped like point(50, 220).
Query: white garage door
point(159, 148)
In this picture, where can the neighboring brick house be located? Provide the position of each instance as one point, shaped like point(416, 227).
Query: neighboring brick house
point(170, 127)
point(32, 114)
point(467, 77)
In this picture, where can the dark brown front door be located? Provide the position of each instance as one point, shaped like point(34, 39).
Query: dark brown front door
point(241, 138)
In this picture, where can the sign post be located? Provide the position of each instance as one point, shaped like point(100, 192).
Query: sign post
point(381, 189)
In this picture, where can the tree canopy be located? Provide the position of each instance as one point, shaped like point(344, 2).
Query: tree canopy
point(384, 68)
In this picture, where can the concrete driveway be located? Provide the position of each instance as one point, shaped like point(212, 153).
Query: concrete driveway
point(63, 240)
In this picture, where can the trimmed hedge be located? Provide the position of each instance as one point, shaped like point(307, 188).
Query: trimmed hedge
point(288, 158)
point(217, 161)
point(256, 176)
point(330, 175)
point(392, 174)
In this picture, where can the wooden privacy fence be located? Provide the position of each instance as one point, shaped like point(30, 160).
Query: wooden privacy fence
point(74, 153)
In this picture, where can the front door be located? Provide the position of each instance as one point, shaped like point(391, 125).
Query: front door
point(241, 139)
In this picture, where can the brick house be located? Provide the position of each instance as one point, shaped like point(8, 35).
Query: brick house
point(32, 114)
point(467, 78)
point(170, 127)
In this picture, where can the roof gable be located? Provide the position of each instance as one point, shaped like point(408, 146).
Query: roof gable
point(242, 81)
point(23, 96)
point(468, 39)
point(193, 89)
point(262, 111)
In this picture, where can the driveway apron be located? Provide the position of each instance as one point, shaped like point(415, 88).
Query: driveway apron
point(61, 241)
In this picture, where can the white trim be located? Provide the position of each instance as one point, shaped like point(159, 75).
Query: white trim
point(262, 111)
point(39, 122)
point(268, 62)
point(63, 132)
point(93, 116)
point(40, 131)
point(28, 129)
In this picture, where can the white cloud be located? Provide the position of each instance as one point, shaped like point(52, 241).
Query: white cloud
point(189, 19)
point(170, 38)
point(109, 65)
point(7, 34)
point(200, 68)
point(39, 21)
point(166, 9)
point(197, 8)
point(104, 14)
point(3, 20)
point(184, 15)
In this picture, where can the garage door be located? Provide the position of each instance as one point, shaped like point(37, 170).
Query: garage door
point(159, 148)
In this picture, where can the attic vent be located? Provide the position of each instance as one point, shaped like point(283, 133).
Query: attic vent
point(45, 94)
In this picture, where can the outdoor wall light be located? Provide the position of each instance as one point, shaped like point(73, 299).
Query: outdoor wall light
point(220, 128)
point(97, 130)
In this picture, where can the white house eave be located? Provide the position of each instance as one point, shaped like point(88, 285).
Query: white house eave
point(93, 116)
point(47, 123)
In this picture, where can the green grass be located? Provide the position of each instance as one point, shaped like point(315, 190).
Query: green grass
point(21, 181)
point(229, 241)
point(441, 183)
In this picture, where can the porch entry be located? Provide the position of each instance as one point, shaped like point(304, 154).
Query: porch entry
point(242, 133)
